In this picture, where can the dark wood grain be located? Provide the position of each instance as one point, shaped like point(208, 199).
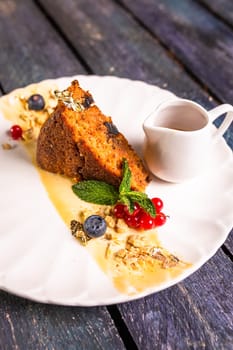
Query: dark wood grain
point(202, 42)
point(222, 8)
point(25, 325)
point(112, 42)
point(31, 50)
point(195, 314)
point(104, 38)
point(229, 243)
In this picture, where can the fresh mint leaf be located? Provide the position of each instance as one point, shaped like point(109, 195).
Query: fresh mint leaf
point(97, 192)
point(135, 195)
point(100, 192)
point(126, 200)
point(128, 197)
point(126, 178)
point(143, 200)
point(148, 206)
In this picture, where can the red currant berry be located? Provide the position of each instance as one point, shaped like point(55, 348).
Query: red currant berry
point(132, 221)
point(158, 204)
point(135, 212)
point(146, 221)
point(16, 132)
point(119, 211)
point(160, 219)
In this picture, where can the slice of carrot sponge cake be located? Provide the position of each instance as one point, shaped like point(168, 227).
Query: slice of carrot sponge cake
point(80, 142)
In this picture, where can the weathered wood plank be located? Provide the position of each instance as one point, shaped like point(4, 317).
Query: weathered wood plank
point(31, 50)
point(93, 28)
point(201, 42)
point(161, 322)
point(28, 325)
point(229, 243)
point(223, 8)
point(111, 42)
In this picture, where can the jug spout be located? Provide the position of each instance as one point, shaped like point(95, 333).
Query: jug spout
point(154, 128)
point(150, 131)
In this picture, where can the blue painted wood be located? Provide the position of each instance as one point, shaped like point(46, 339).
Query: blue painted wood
point(229, 243)
point(111, 42)
point(202, 42)
point(222, 8)
point(103, 38)
point(26, 325)
point(31, 50)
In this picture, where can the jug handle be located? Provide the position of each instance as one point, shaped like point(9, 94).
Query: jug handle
point(217, 112)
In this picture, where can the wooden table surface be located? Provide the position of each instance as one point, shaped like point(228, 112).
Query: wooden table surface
point(185, 46)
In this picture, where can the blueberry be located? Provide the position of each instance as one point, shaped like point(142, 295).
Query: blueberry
point(95, 226)
point(112, 129)
point(88, 101)
point(36, 102)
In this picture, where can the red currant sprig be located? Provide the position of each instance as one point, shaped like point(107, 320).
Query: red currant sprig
point(139, 219)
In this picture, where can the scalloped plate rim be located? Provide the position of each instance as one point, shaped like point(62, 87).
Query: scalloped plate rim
point(121, 297)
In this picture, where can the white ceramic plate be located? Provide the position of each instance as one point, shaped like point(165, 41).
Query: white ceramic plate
point(40, 260)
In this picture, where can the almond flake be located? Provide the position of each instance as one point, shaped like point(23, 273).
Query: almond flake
point(7, 146)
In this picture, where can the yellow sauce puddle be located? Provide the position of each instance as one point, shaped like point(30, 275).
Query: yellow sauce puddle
point(127, 278)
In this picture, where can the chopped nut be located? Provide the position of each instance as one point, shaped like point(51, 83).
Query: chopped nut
point(77, 231)
point(153, 251)
point(135, 240)
point(107, 251)
point(170, 261)
point(83, 239)
point(85, 214)
point(7, 146)
point(39, 120)
point(23, 117)
point(108, 211)
point(121, 253)
point(110, 221)
point(134, 266)
point(51, 94)
point(108, 236)
point(142, 262)
point(75, 226)
point(23, 100)
point(166, 263)
point(174, 258)
point(120, 226)
point(159, 256)
point(28, 134)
